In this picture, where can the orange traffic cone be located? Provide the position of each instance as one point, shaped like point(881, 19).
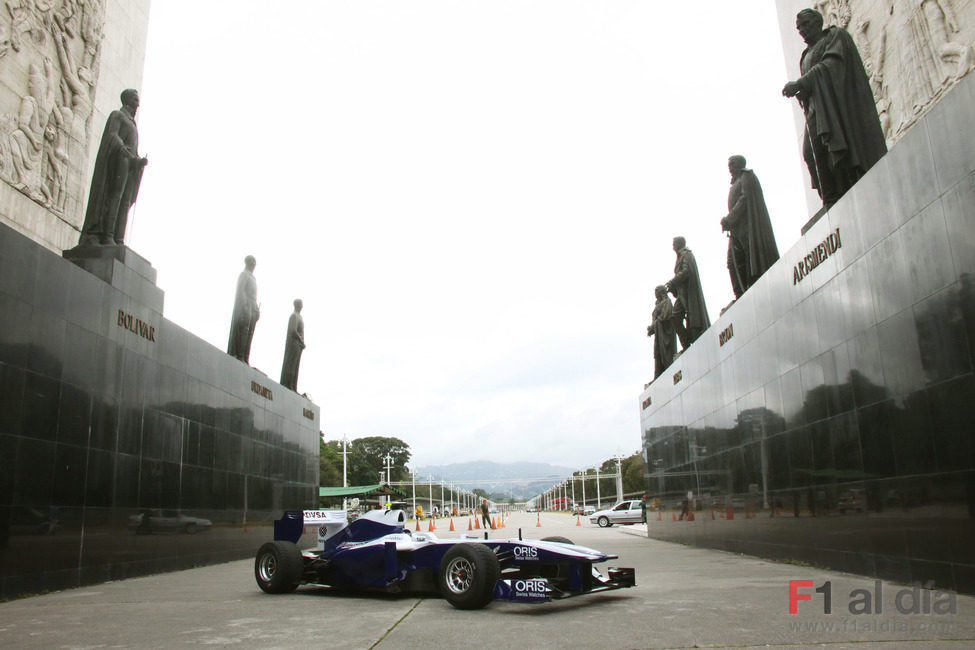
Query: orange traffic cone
point(469, 527)
point(690, 515)
point(451, 524)
point(731, 512)
point(538, 520)
point(431, 527)
point(659, 517)
point(494, 523)
point(578, 521)
point(418, 524)
point(477, 523)
point(674, 516)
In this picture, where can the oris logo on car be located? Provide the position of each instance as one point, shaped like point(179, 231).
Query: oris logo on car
point(525, 552)
point(530, 588)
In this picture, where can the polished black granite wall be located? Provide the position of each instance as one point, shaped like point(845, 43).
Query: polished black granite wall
point(109, 411)
point(833, 422)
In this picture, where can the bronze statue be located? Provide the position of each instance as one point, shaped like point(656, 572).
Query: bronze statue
point(751, 244)
point(294, 343)
point(843, 136)
point(690, 312)
point(246, 313)
point(662, 327)
point(117, 176)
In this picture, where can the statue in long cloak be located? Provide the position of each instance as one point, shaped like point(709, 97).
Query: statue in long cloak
point(690, 312)
point(662, 329)
point(246, 313)
point(294, 344)
point(117, 176)
point(751, 243)
point(843, 137)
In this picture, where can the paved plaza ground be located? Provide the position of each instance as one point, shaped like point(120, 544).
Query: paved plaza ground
point(685, 597)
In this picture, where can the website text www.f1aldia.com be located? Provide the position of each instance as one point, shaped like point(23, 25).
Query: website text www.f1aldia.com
point(883, 625)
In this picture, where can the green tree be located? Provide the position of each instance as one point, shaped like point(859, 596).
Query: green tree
point(633, 480)
point(329, 464)
point(374, 450)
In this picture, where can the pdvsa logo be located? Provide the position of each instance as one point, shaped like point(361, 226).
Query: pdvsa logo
point(525, 553)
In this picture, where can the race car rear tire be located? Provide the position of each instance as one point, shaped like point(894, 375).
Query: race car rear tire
point(604, 522)
point(278, 567)
point(557, 538)
point(468, 573)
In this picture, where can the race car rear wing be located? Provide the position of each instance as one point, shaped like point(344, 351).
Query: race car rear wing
point(292, 524)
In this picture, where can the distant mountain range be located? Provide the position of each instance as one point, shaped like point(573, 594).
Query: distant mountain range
point(521, 480)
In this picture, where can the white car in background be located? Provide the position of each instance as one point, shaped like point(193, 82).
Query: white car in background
point(625, 512)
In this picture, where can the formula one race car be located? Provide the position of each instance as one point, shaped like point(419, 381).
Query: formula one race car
point(376, 551)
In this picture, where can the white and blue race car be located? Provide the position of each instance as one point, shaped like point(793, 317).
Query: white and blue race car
point(376, 551)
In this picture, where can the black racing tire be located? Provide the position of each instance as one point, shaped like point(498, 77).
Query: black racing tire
point(557, 538)
point(468, 573)
point(278, 567)
point(603, 522)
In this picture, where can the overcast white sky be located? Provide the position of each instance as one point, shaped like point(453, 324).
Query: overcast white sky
point(473, 199)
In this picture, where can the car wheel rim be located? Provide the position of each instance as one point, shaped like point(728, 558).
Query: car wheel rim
point(460, 575)
point(266, 567)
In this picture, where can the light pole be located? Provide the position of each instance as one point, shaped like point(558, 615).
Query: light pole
point(389, 468)
point(599, 498)
point(413, 476)
point(585, 473)
point(619, 477)
point(345, 467)
point(430, 488)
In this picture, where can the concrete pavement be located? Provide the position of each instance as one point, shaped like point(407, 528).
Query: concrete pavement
point(685, 597)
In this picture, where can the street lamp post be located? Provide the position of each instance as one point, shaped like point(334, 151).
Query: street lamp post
point(599, 498)
point(345, 467)
point(585, 473)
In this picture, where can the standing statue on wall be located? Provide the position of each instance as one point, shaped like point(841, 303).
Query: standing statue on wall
point(690, 312)
point(246, 313)
point(662, 328)
point(751, 243)
point(118, 173)
point(843, 136)
point(293, 346)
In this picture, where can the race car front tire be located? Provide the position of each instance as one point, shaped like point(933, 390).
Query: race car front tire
point(278, 567)
point(468, 573)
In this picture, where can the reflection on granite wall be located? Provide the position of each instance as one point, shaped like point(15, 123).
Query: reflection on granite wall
point(829, 416)
point(128, 445)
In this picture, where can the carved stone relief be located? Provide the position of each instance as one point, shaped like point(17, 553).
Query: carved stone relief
point(44, 135)
point(913, 50)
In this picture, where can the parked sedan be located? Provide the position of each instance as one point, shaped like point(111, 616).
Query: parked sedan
point(167, 521)
point(626, 512)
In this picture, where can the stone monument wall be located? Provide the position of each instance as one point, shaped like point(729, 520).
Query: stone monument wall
point(63, 64)
point(827, 416)
point(127, 444)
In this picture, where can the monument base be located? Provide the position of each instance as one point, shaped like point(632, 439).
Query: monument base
point(122, 268)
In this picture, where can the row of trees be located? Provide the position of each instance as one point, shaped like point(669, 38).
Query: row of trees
point(631, 469)
point(366, 458)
